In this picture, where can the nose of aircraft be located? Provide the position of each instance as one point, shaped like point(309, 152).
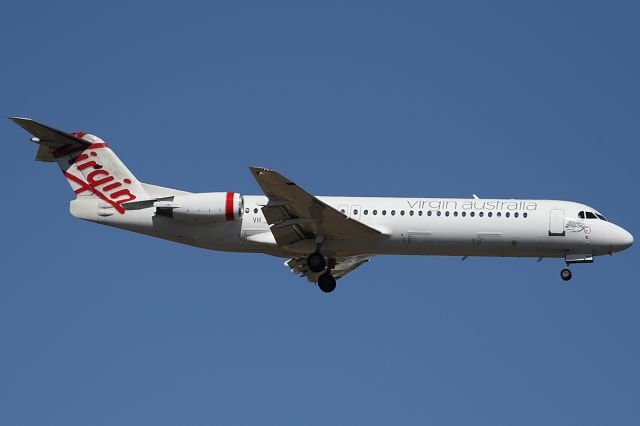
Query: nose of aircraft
point(622, 239)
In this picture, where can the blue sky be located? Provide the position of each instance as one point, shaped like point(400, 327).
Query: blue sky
point(503, 99)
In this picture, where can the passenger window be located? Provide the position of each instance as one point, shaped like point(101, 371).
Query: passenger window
point(438, 212)
point(489, 214)
point(499, 214)
point(401, 212)
point(246, 210)
point(591, 215)
point(429, 213)
point(515, 214)
point(393, 212)
point(384, 212)
point(410, 213)
point(355, 212)
point(420, 213)
point(481, 214)
point(255, 210)
point(581, 215)
point(455, 214)
point(375, 212)
point(366, 212)
point(524, 215)
point(507, 214)
point(464, 214)
point(446, 214)
point(472, 214)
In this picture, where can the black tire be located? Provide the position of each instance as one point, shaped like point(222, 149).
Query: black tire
point(316, 262)
point(565, 274)
point(327, 283)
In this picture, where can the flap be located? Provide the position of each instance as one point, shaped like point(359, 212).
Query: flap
point(342, 267)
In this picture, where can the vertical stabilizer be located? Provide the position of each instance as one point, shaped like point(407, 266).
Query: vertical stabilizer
point(90, 166)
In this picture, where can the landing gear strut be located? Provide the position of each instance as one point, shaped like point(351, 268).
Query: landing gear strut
point(572, 258)
point(326, 282)
point(316, 262)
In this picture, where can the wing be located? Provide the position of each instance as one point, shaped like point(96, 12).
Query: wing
point(295, 215)
point(342, 267)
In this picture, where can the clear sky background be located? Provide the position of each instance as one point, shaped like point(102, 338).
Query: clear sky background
point(504, 99)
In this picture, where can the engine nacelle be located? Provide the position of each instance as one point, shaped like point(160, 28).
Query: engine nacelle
point(207, 207)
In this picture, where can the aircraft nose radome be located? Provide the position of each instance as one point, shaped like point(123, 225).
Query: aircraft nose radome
point(624, 239)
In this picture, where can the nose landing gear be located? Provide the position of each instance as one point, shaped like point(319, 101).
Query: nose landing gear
point(572, 258)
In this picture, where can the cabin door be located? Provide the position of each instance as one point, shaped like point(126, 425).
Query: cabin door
point(556, 222)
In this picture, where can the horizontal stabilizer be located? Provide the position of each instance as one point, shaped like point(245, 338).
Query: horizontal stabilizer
point(49, 138)
point(53, 138)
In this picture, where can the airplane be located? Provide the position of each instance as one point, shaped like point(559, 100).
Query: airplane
point(322, 238)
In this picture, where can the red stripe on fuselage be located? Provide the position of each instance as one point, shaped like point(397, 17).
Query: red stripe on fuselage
point(229, 206)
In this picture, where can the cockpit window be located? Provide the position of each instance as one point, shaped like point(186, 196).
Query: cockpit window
point(591, 215)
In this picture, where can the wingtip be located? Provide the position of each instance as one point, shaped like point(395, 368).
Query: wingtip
point(17, 119)
point(258, 170)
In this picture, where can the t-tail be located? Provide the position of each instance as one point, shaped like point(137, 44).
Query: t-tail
point(89, 165)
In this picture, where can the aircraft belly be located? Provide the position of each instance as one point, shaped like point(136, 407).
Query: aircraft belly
point(501, 242)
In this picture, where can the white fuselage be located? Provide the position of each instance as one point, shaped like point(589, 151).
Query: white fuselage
point(411, 226)
point(325, 237)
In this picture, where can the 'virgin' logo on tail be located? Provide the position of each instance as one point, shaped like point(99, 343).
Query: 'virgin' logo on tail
point(111, 191)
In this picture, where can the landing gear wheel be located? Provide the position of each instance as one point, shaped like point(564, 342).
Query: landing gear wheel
point(327, 283)
point(565, 274)
point(316, 262)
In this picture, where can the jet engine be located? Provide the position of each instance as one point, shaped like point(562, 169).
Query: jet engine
point(208, 207)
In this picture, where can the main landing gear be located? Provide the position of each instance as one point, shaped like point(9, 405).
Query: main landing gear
point(326, 282)
point(565, 274)
point(317, 263)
